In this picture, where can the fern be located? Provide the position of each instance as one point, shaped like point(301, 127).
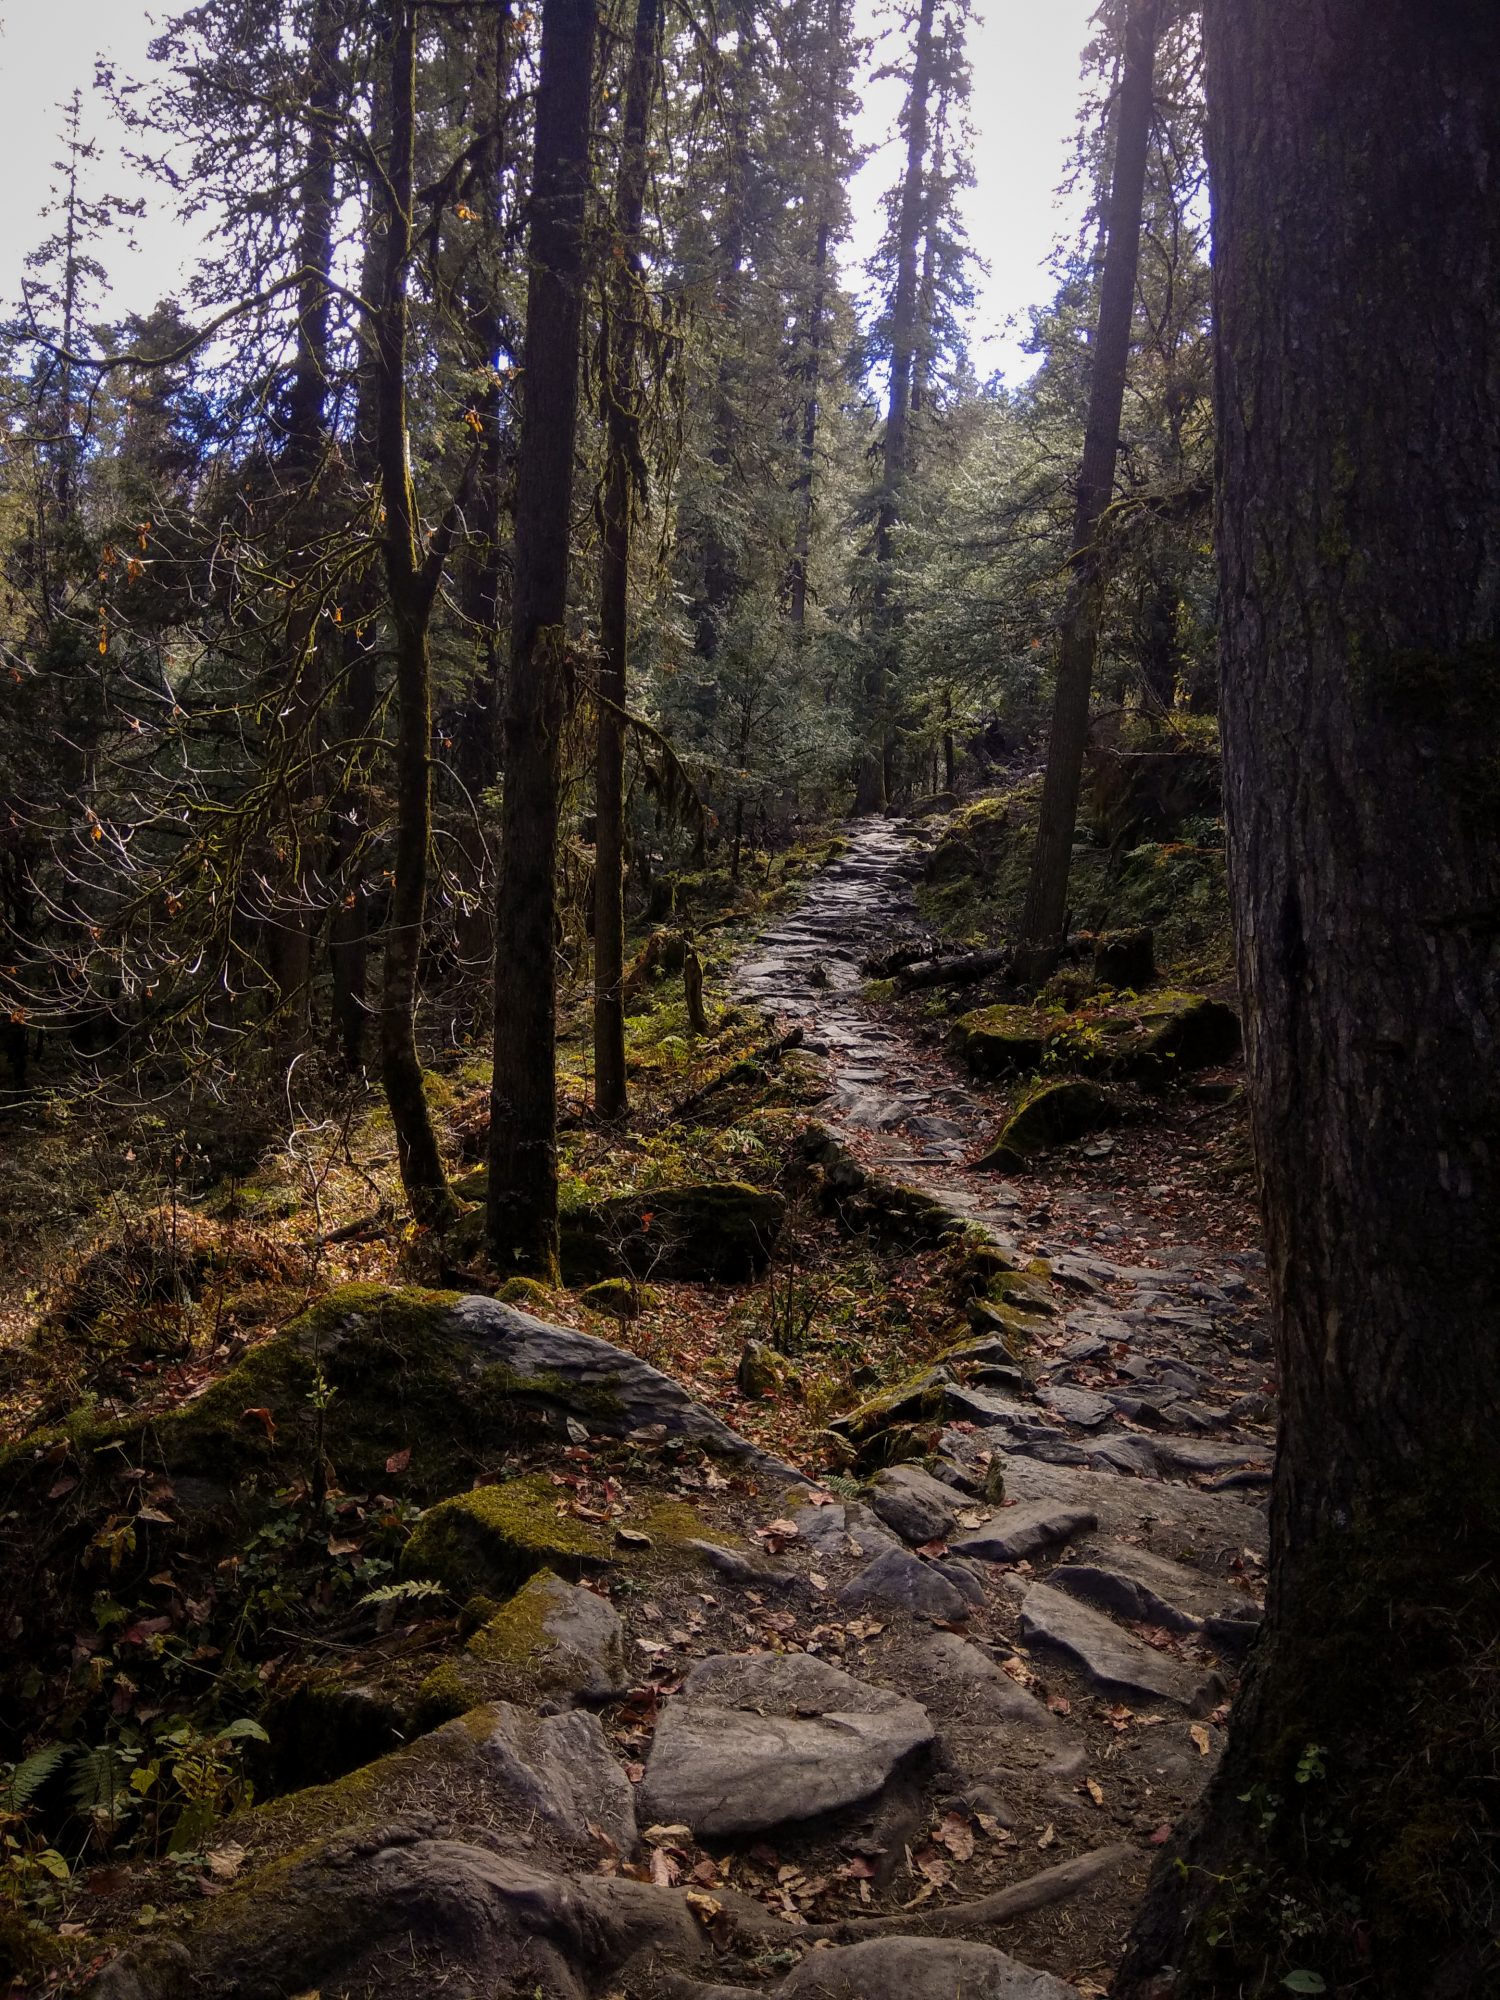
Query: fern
point(29, 1776)
point(97, 1779)
point(399, 1593)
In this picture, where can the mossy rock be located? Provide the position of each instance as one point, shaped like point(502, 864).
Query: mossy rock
point(993, 1320)
point(527, 1292)
point(1025, 1293)
point(981, 1264)
point(551, 1638)
point(392, 1371)
point(1051, 1116)
point(621, 1298)
point(919, 1399)
point(716, 1232)
point(763, 1375)
point(496, 1537)
point(1185, 1031)
point(1001, 1041)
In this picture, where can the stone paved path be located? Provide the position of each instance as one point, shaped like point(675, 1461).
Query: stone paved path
point(1176, 1347)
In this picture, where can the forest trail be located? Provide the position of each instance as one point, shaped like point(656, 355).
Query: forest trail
point(1191, 1312)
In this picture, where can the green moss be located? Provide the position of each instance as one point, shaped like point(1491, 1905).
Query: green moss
point(1051, 1116)
point(1002, 1041)
point(920, 1398)
point(524, 1292)
point(517, 1634)
point(495, 1537)
point(446, 1693)
point(621, 1298)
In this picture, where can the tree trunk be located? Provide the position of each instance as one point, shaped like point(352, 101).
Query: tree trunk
point(412, 581)
point(811, 398)
point(871, 778)
point(1350, 1834)
point(1044, 919)
point(522, 1222)
point(624, 473)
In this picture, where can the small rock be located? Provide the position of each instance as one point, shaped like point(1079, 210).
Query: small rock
point(917, 1506)
point(1019, 1533)
point(917, 1968)
point(905, 1582)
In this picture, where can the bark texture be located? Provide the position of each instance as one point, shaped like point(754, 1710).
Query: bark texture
point(871, 786)
point(624, 475)
point(1044, 919)
point(412, 578)
point(1355, 155)
point(522, 1222)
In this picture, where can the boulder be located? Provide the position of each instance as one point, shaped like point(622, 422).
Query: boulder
point(919, 1399)
point(1124, 958)
point(1113, 1660)
point(1076, 1406)
point(607, 1387)
point(761, 1740)
point(1051, 1116)
point(719, 1232)
point(999, 1042)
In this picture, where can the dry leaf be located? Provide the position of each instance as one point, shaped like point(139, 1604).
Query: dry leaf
point(956, 1836)
point(224, 1863)
point(664, 1870)
point(1049, 1836)
point(1095, 1790)
point(399, 1460)
point(1201, 1737)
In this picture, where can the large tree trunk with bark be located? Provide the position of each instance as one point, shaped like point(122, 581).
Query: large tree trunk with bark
point(1350, 1835)
point(1044, 919)
point(522, 1222)
point(622, 477)
point(412, 577)
point(870, 782)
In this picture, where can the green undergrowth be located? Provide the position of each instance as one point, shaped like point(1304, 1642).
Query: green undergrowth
point(977, 877)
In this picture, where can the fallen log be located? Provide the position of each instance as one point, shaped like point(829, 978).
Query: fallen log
point(961, 971)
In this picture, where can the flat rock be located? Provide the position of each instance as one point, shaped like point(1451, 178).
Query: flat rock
point(918, 1507)
point(1076, 1406)
point(917, 1969)
point(1200, 1455)
point(901, 1581)
point(1018, 1533)
point(989, 1725)
point(559, 1767)
point(1116, 1662)
point(755, 1741)
point(1149, 1589)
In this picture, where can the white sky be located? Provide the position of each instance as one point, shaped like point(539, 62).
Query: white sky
point(1026, 85)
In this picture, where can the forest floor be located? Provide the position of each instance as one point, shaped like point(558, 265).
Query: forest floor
point(1076, 1351)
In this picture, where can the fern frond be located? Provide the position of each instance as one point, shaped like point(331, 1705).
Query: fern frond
point(398, 1593)
point(29, 1776)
